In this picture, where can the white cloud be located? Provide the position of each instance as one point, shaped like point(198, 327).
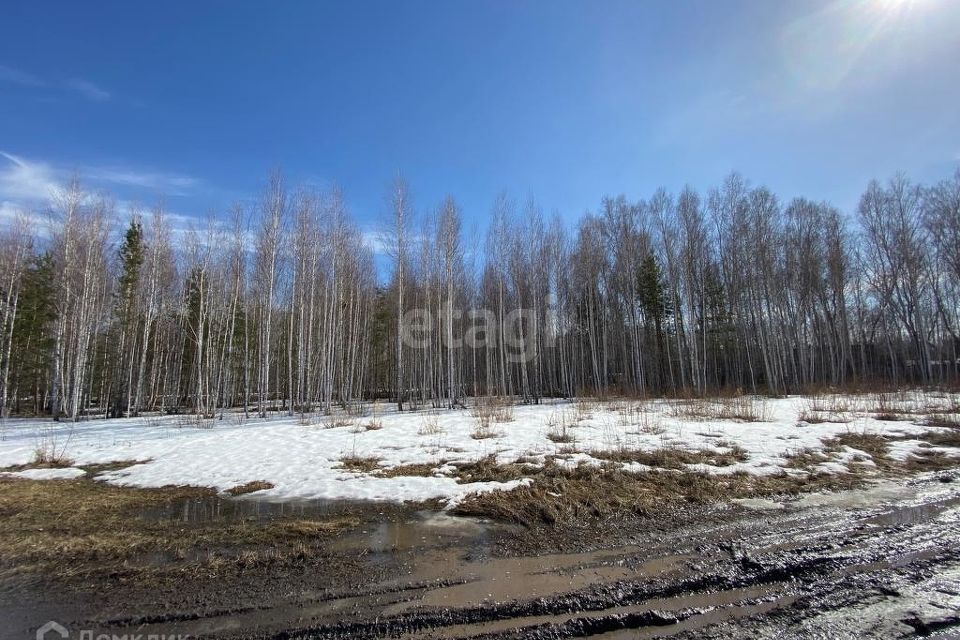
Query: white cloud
point(87, 89)
point(16, 76)
point(12, 213)
point(27, 188)
point(374, 240)
point(24, 180)
point(81, 86)
point(31, 182)
point(166, 183)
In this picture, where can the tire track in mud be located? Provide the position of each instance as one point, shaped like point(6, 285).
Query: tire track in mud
point(781, 567)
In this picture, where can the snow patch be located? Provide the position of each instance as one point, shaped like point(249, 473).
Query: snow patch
point(68, 473)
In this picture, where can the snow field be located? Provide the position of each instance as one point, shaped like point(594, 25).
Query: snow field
point(305, 460)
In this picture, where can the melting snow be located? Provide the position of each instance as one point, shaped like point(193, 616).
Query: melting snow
point(304, 461)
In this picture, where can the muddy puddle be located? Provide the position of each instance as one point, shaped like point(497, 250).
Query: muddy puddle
point(384, 530)
point(388, 526)
point(913, 514)
point(223, 509)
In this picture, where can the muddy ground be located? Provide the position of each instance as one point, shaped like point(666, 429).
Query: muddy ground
point(879, 561)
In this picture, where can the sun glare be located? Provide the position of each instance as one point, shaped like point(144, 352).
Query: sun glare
point(898, 5)
point(863, 37)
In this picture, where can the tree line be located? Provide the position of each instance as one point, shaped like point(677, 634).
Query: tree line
point(280, 306)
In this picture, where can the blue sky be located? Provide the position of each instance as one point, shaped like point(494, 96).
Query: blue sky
point(563, 101)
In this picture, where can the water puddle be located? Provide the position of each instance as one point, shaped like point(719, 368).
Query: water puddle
point(390, 539)
point(915, 514)
point(223, 509)
point(424, 529)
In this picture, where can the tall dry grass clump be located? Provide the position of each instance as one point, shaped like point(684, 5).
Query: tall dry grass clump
point(740, 408)
point(826, 408)
point(51, 448)
point(375, 423)
point(430, 425)
point(559, 427)
point(583, 408)
point(487, 411)
point(493, 408)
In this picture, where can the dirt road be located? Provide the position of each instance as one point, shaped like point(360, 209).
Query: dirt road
point(879, 562)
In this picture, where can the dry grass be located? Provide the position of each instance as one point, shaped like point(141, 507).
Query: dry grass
point(51, 448)
point(483, 431)
point(830, 408)
point(583, 408)
point(740, 408)
point(306, 418)
point(921, 461)
point(250, 487)
point(487, 469)
point(743, 408)
point(375, 423)
point(876, 446)
point(45, 458)
point(559, 427)
point(94, 469)
point(560, 497)
point(336, 421)
point(881, 405)
point(674, 457)
point(422, 469)
point(830, 403)
point(430, 425)
point(904, 404)
point(355, 409)
point(563, 497)
point(806, 458)
point(650, 422)
point(80, 528)
point(943, 421)
point(888, 417)
point(359, 464)
point(195, 421)
point(487, 411)
point(641, 414)
point(493, 408)
point(943, 438)
point(561, 437)
point(928, 408)
point(812, 418)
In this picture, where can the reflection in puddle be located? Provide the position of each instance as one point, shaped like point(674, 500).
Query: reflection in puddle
point(426, 529)
point(392, 531)
point(915, 514)
point(213, 509)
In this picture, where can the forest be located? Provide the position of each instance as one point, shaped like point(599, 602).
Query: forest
point(282, 305)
